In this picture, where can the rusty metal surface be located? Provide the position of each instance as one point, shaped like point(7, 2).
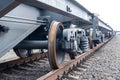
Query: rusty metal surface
point(91, 38)
point(13, 63)
point(55, 56)
point(53, 75)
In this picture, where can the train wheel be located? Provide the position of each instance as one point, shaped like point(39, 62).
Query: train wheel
point(22, 53)
point(55, 53)
point(91, 43)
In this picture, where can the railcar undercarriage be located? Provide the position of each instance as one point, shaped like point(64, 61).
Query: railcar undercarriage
point(29, 25)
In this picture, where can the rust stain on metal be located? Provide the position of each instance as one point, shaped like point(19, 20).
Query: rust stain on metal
point(53, 75)
point(9, 64)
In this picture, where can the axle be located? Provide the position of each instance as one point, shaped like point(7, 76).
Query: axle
point(33, 45)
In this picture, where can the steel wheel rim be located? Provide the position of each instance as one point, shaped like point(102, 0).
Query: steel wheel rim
point(55, 52)
point(90, 39)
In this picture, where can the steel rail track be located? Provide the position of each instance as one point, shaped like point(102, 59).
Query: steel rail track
point(13, 63)
point(57, 74)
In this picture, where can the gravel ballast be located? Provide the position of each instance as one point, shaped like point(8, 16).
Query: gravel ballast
point(103, 65)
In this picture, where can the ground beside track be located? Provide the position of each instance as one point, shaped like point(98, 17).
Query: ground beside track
point(103, 65)
point(9, 56)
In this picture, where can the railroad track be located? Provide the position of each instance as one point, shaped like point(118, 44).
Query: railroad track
point(16, 62)
point(80, 71)
point(58, 74)
point(36, 68)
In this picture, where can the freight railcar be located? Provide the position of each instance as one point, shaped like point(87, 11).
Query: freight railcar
point(57, 26)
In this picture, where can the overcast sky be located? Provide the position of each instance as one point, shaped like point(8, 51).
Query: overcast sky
point(108, 10)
